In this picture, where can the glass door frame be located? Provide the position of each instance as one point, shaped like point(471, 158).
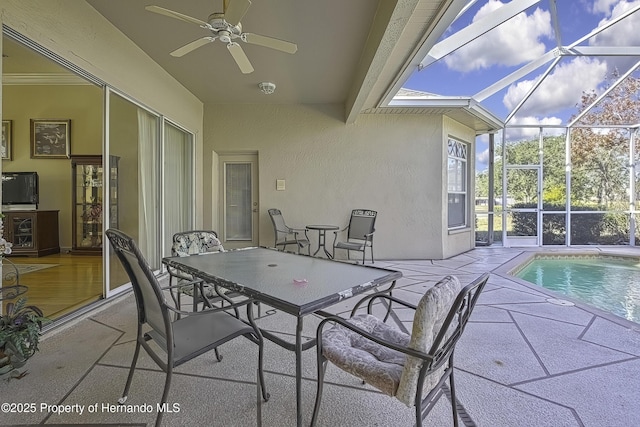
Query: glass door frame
point(510, 241)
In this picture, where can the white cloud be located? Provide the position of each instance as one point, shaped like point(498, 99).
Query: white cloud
point(623, 33)
point(603, 6)
point(482, 158)
point(560, 90)
point(515, 42)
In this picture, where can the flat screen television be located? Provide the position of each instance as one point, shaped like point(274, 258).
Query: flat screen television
point(19, 188)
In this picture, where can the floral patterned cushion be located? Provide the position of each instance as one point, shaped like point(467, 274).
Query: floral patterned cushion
point(194, 243)
point(428, 319)
point(375, 364)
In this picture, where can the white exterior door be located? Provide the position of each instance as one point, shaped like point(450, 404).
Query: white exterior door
point(239, 200)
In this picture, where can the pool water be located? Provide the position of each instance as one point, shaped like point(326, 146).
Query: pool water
point(610, 284)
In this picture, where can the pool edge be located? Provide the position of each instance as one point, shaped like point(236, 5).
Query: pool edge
point(520, 261)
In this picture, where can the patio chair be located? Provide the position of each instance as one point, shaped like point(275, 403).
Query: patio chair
point(359, 233)
point(192, 335)
point(195, 242)
point(285, 235)
point(400, 365)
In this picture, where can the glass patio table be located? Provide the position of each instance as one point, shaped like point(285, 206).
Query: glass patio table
point(296, 284)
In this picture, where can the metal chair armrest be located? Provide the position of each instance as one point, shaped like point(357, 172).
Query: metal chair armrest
point(345, 323)
point(380, 295)
point(181, 285)
point(209, 310)
point(175, 272)
point(297, 231)
point(335, 234)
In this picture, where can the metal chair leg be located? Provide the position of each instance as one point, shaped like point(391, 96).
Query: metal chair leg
point(265, 395)
point(165, 393)
point(322, 366)
point(454, 406)
point(125, 394)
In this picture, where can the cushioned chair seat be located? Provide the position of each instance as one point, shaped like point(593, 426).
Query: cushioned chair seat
point(378, 365)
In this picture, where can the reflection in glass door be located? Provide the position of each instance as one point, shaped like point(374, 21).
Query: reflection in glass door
point(522, 206)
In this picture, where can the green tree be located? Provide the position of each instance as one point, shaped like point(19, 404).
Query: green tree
point(600, 156)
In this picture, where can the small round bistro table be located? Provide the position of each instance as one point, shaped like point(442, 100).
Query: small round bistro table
point(322, 234)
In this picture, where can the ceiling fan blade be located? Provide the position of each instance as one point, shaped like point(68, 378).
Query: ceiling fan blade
point(181, 51)
point(234, 10)
point(270, 42)
point(240, 57)
point(176, 15)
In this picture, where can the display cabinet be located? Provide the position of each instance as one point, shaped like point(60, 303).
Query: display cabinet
point(32, 233)
point(89, 184)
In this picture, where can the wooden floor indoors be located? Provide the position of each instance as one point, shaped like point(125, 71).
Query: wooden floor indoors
point(75, 282)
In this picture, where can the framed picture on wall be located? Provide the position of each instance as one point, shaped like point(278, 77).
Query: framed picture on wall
point(7, 136)
point(50, 139)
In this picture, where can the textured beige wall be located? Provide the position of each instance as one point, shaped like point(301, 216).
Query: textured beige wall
point(390, 163)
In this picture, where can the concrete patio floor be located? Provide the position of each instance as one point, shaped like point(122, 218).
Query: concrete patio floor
point(523, 361)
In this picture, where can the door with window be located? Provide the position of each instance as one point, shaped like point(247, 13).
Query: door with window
point(239, 200)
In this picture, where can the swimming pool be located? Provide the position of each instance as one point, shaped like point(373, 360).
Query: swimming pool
point(607, 282)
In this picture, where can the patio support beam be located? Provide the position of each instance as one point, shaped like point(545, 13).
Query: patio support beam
point(567, 180)
point(475, 30)
point(632, 188)
point(448, 13)
point(516, 75)
point(535, 85)
point(554, 20)
point(605, 26)
point(601, 51)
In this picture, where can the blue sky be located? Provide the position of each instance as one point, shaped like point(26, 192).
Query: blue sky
point(525, 38)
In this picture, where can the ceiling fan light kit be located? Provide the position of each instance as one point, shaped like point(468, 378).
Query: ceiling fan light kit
point(227, 28)
point(267, 87)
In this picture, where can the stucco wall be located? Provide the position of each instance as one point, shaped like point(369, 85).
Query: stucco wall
point(389, 163)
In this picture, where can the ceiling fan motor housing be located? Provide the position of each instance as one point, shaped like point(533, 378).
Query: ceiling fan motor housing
point(218, 23)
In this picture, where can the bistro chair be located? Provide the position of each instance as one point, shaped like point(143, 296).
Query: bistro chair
point(194, 242)
point(359, 233)
point(285, 235)
point(400, 365)
point(193, 334)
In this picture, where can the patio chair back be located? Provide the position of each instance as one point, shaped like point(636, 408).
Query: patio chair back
point(440, 318)
point(361, 224)
point(187, 243)
point(150, 299)
point(193, 242)
point(279, 227)
point(285, 235)
point(359, 233)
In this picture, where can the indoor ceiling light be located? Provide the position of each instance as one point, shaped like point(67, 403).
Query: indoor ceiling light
point(267, 87)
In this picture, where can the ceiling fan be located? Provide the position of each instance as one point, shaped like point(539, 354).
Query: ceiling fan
point(227, 28)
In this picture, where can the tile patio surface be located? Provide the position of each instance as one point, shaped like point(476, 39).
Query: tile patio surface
point(523, 361)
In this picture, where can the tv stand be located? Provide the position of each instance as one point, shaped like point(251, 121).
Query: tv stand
point(33, 233)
